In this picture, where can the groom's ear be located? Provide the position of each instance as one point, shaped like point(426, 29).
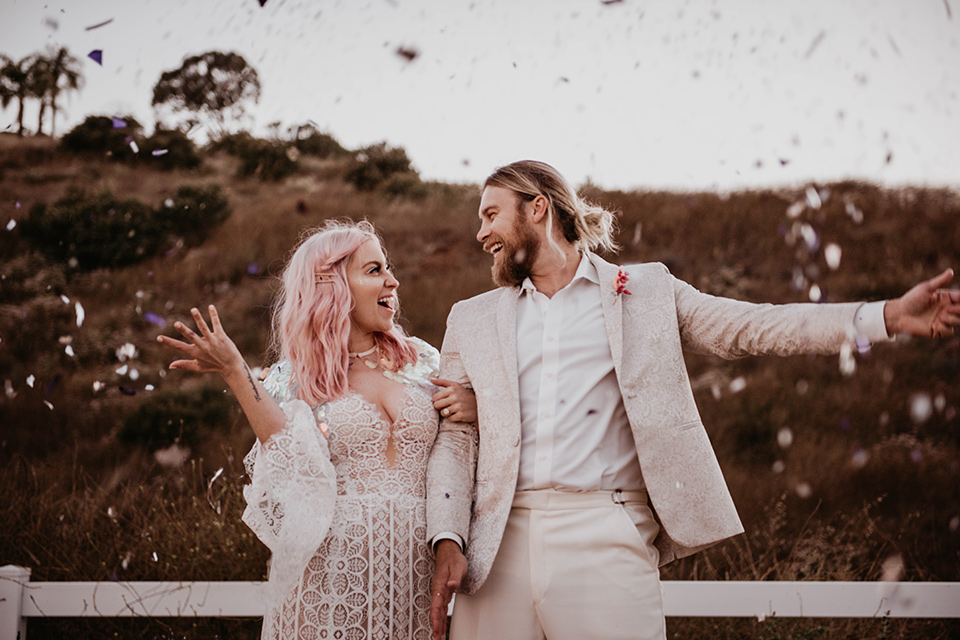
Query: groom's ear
point(537, 209)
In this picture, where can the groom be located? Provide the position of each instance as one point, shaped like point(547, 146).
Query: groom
point(592, 467)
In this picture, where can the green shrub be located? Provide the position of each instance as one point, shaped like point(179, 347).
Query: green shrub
point(103, 231)
point(97, 231)
point(170, 150)
point(373, 165)
point(179, 416)
point(320, 145)
point(193, 212)
point(96, 134)
point(267, 160)
point(234, 144)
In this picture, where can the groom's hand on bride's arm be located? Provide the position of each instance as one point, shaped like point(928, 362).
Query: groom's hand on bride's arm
point(449, 573)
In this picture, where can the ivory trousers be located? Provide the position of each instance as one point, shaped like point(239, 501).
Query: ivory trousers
point(571, 566)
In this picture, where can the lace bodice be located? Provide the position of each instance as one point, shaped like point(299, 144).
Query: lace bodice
point(345, 514)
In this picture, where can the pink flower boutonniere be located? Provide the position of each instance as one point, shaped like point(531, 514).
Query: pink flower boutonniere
point(620, 282)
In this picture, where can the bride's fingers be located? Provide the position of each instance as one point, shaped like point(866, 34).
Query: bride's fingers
point(215, 320)
point(201, 324)
point(174, 343)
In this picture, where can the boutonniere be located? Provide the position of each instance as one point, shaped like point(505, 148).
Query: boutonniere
point(620, 283)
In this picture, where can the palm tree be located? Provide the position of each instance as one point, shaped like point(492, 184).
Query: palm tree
point(58, 71)
point(17, 81)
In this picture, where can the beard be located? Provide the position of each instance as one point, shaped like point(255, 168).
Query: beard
point(518, 255)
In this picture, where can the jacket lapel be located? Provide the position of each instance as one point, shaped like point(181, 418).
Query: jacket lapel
point(507, 334)
point(612, 307)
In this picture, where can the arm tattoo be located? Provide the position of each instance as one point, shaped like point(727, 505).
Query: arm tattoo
point(256, 393)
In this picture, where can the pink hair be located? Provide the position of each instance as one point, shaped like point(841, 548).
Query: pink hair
point(311, 321)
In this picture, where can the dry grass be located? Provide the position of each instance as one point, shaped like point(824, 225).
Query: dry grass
point(863, 479)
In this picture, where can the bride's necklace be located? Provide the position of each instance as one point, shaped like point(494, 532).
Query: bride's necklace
point(378, 362)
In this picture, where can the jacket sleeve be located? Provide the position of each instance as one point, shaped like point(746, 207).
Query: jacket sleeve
point(451, 470)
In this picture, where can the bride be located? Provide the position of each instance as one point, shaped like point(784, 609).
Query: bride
point(345, 422)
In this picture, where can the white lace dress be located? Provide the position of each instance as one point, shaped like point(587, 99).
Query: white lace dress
point(345, 516)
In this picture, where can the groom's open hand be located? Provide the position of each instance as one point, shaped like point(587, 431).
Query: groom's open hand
point(450, 571)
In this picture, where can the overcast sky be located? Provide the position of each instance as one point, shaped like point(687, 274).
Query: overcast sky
point(694, 95)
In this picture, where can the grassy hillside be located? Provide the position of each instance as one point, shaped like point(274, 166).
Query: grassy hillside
point(836, 476)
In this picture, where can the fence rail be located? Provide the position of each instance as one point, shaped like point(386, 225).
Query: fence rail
point(21, 599)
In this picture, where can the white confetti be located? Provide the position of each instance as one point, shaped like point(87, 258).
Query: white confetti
point(134, 146)
point(779, 466)
point(112, 513)
point(794, 210)
point(803, 490)
point(813, 198)
point(921, 408)
point(81, 314)
point(848, 364)
point(149, 387)
point(859, 458)
point(154, 557)
point(65, 299)
point(785, 437)
point(8, 389)
point(738, 384)
point(98, 386)
point(126, 560)
point(30, 380)
point(49, 404)
point(122, 370)
point(69, 351)
point(11, 225)
point(815, 293)
point(158, 152)
point(126, 352)
point(832, 253)
point(134, 374)
point(893, 569)
point(855, 214)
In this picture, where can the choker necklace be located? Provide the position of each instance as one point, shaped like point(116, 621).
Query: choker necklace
point(362, 354)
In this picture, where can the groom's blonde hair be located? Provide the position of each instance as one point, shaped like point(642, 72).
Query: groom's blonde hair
point(587, 226)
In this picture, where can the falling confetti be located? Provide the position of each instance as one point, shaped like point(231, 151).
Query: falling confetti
point(804, 490)
point(30, 380)
point(80, 314)
point(8, 389)
point(11, 224)
point(154, 319)
point(127, 352)
point(893, 569)
point(738, 384)
point(855, 214)
point(127, 391)
point(779, 467)
point(126, 560)
point(921, 408)
point(98, 25)
point(112, 513)
point(794, 210)
point(122, 371)
point(859, 458)
point(848, 365)
point(815, 294)
point(813, 198)
point(785, 437)
point(134, 147)
point(217, 506)
point(97, 56)
point(832, 253)
point(64, 299)
point(69, 351)
point(49, 404)
point(98, 386)
point(156, 153)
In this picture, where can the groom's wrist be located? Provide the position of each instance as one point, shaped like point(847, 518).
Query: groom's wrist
point(446, 535)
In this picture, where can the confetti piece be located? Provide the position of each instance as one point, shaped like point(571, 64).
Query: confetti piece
point(98, 25)
point(127, 391)
point(49, 404)
point(172, 457)
point(253, 269)
point(154, 557)
point(447, 495)
point(122, 370)
point(149, 387)
point(11, 224)
point(98, 386)
point(134, 374)
point(408, 54)
point(65, 299)
point(921, 408)
point(855, 214)
point(154, 319)
point(815, 294)
point(832, 253)
point(30, 380)
point(779, 467)
point(8, 389)
point(81, 314)
point(126, 560)
point(69, 350)
point(893, 569)
point(97, 56)
point(848, 365)
point(785, 437)
point(803, 490)
point(119, 123)
point(156, 153)
point(111, 513)
point(738, 384)
point(859, 458)
point(127, 352)
point(134, 147)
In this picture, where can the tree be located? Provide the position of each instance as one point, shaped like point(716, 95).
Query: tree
point(211, 86)
point(18, 80)
point(57, 72)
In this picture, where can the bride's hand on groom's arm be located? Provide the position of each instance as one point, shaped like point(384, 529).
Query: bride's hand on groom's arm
point(454, 401)
point(450, 570)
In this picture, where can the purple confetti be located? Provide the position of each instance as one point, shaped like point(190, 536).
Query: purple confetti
point(447, 494)
point(153, 318)
point(97, 56)
point(119, 123)
point(253, 269)
point(128, 391)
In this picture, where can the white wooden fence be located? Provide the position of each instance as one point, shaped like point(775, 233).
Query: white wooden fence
point(21, 599)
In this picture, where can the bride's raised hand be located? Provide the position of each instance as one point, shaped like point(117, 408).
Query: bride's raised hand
point(209, 350)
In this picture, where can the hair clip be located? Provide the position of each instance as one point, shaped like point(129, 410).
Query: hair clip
point(324, 278)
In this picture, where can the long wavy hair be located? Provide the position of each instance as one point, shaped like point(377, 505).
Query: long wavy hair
point(311, 320)
point(586, 226)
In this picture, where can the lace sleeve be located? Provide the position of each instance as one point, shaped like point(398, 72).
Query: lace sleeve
point(291, 499)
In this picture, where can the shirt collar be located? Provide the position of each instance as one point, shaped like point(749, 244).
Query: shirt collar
point(585, 271)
